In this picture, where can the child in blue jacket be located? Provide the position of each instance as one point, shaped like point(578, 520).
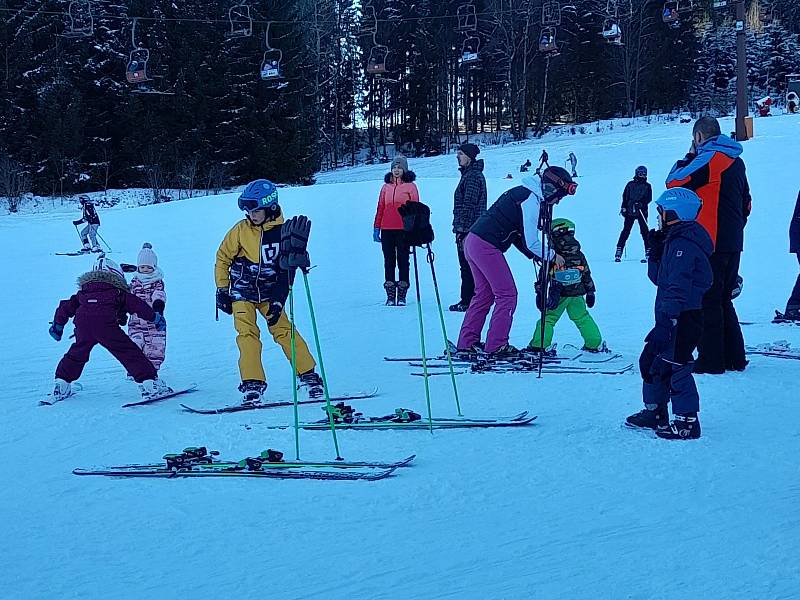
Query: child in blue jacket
point(679, 266)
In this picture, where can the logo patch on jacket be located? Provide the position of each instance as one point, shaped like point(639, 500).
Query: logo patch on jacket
point(679, 253)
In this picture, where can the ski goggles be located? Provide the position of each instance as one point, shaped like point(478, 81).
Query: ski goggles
point(251, 204)
point(554, 187)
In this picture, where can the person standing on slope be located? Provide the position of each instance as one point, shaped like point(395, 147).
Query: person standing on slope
point(635, 201)
point(469, 204)
point(679, 266)
point(92, 221)
point(398, 188)
point(793, 304)
point(513, 219)
point(543, 160)
point(573, 161)
point(148, 285)
point(250, 281)
point(714, 169)
point(101, 305)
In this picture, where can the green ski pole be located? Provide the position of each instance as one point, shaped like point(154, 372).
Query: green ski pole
point(422, 341)
point(294, 376)
point(328, 406)
point(444, 330)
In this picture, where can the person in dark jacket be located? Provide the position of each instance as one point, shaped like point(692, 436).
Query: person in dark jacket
point(92, 221)
point(512, 219)
point(469, 204)
point(635, 201)
point(714, 169)
point(679, 266)
point(793, 304)
point(99, 308)
point(576, 292)
point(544, 161)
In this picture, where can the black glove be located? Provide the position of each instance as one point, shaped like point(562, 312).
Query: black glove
point(224, 302)
point(56, 331)
point(590, 299)
point(78, 222)
point(460, 237)
point(160, 322)
point(158, 306)
point(656, 240)
point(275, 312)
point(294, 241)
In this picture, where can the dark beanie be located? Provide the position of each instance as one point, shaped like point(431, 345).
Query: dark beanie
point(470, 150)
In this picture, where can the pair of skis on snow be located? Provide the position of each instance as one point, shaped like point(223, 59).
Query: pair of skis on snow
point(526, 362)
point(779, 349)
point(199, 462)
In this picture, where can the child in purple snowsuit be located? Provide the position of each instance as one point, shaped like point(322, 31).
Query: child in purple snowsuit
point(99, 308)
point(148, 285)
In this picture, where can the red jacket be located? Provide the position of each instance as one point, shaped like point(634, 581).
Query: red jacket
point(393, 195)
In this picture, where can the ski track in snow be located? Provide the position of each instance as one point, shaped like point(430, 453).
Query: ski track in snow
point(574, 506)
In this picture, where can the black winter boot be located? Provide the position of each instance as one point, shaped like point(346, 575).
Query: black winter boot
point(402, 290)
point(391, 293)
point(683, 427)
point(312, 381)
point(252, 391)
point(654, 416)
point(618, 255)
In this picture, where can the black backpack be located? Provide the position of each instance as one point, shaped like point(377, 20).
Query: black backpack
point(416, 223)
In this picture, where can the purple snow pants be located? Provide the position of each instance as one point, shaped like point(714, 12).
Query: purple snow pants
point(494, 284)
point(111, 337)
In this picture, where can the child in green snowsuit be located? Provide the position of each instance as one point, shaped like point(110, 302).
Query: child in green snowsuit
point(574, 282)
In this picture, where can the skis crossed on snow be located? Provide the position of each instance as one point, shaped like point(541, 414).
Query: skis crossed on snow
point(199, 462)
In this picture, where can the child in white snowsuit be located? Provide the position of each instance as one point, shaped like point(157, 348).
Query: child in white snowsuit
point(148, 285)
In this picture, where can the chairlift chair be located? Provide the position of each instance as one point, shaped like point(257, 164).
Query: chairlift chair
point(376, 63)
point(670, 15)
point(547, 41)
point(241, 21)
point(271, 71)
point(467, 17)
point(612, 32)
point(136, 72)
point(685, 6)
point(720, 4)
point(81, 20)
point(551, 14)
point(469, 52)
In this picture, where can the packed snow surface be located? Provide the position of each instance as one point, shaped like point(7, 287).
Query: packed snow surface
point(574, 506)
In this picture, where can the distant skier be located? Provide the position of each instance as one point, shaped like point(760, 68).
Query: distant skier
point(568, 293)
point(573, 161)
point(679, 266)
point(635, 201)
point(469, 204)
point(793, 304)
point(99, 308)
point(92, 225)
point(523, 168)
point(512, 219)
point(398, 188)
point(148, 285)
point(543, 160)
point(250, 280)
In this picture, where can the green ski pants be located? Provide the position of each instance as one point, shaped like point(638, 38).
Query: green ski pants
point(577, 312)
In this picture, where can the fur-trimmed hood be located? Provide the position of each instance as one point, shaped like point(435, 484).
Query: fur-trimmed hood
point(408, 177)
point(103, 277)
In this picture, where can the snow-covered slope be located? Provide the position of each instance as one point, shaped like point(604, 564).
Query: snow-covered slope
point(573, 507)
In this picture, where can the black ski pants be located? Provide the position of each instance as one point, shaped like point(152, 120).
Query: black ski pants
point(628, 225)
point(467, 280)
point(395, 254)
point(722, 344)
point(794, 299)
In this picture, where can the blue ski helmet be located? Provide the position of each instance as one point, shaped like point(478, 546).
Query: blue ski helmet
point(260, 193)
point(678, 204)
point(641, 171)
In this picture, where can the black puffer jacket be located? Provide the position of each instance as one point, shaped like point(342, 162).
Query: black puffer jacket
point(794, 229)
point(637, 196)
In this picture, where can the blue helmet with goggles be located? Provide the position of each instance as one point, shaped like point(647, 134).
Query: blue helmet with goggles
point(260, 193)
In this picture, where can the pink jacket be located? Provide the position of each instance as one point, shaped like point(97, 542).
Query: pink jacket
point(393, 195)
point(152, 342)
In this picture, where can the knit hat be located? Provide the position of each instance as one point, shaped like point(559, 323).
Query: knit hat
point(470, 150)
point(147, 257)
point(400, 161)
